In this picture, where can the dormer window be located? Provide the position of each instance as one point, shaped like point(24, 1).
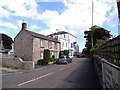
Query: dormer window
point(56, 37)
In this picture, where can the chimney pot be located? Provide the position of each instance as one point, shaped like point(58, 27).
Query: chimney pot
point(24, 26)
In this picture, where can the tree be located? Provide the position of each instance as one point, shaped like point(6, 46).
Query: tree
point(7, 41)
point(96, 34)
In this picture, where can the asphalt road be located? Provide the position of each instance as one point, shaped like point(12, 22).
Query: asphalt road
point(78, 74)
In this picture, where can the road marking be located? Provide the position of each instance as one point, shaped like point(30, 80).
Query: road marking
point(40, 68)
point(35, 79)
point(61, 69)
point(23, 71)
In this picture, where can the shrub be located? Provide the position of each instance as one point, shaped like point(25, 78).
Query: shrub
point(61, 53)
point(66, 52)
point(46, 55)
point(52, 58)
point(42, 62)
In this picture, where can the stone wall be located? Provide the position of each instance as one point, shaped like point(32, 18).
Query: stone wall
point(17, 63)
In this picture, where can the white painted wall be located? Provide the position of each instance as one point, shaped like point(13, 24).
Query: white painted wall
point(67, 41)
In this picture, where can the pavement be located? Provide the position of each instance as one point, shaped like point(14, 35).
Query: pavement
point(7, 70)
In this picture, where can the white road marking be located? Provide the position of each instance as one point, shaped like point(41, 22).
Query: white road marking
point(35, 79)
point(23, 71)
point(41, 68)
point(61, 69)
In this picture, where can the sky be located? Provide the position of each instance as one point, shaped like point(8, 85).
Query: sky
point(45, 16)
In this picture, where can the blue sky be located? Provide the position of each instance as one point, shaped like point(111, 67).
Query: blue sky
point(45, 16)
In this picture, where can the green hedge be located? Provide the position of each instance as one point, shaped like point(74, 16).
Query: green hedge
point(42, 62)
point(46, 55)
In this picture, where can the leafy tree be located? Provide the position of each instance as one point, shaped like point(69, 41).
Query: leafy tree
point(98, 34)
point(7, 41)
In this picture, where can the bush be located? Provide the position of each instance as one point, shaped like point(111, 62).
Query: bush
point(66, 52)
point(61, 53)
point(46, 55)
point(53, 59)
point(42, 62)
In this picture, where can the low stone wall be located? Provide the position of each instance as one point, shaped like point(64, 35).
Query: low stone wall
point(17, 63)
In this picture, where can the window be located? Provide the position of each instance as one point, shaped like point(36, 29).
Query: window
point(49, 44)
point(71, 45)
point(64, 36)
point(66, 44)
point(55, 45)
point(56, 37)
point(63, 44)
point(42, 43)
point(41, 55)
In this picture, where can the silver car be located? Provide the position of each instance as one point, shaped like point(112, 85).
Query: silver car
point(62, 60)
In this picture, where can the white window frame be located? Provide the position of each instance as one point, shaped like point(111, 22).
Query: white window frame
point(50, 44)
point(42, 43)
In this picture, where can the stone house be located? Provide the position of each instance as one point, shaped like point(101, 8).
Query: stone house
point(29, 45)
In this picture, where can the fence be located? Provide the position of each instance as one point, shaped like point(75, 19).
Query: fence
point(107, 63)
point(110, 51)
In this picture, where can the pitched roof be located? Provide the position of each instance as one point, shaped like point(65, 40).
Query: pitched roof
point(42, 36)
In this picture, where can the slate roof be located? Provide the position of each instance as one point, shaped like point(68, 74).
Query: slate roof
point(60, 32)
point(42, 36)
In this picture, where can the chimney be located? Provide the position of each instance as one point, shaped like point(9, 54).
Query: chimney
point(24, 26)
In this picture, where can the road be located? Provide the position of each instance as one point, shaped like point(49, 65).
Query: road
point(78, 74)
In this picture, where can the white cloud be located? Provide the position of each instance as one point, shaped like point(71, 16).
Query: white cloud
point(26, 8)
point(112, 19)
point(4, 13)
point(4, 32)
point(33, 27)
point(46, 31)
point(8, 25)
point(76, 17)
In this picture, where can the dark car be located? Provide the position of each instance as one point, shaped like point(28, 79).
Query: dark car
point(62, 60)
point(69, 60)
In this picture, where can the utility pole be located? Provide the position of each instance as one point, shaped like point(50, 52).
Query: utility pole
point(92, 21)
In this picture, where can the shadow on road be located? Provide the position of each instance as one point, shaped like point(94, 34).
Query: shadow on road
point(83, 77)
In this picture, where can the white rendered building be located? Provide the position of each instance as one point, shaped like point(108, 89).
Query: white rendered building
point(67, 40)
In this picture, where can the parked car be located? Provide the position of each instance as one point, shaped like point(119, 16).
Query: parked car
point(69, 60)
point(62, 60)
